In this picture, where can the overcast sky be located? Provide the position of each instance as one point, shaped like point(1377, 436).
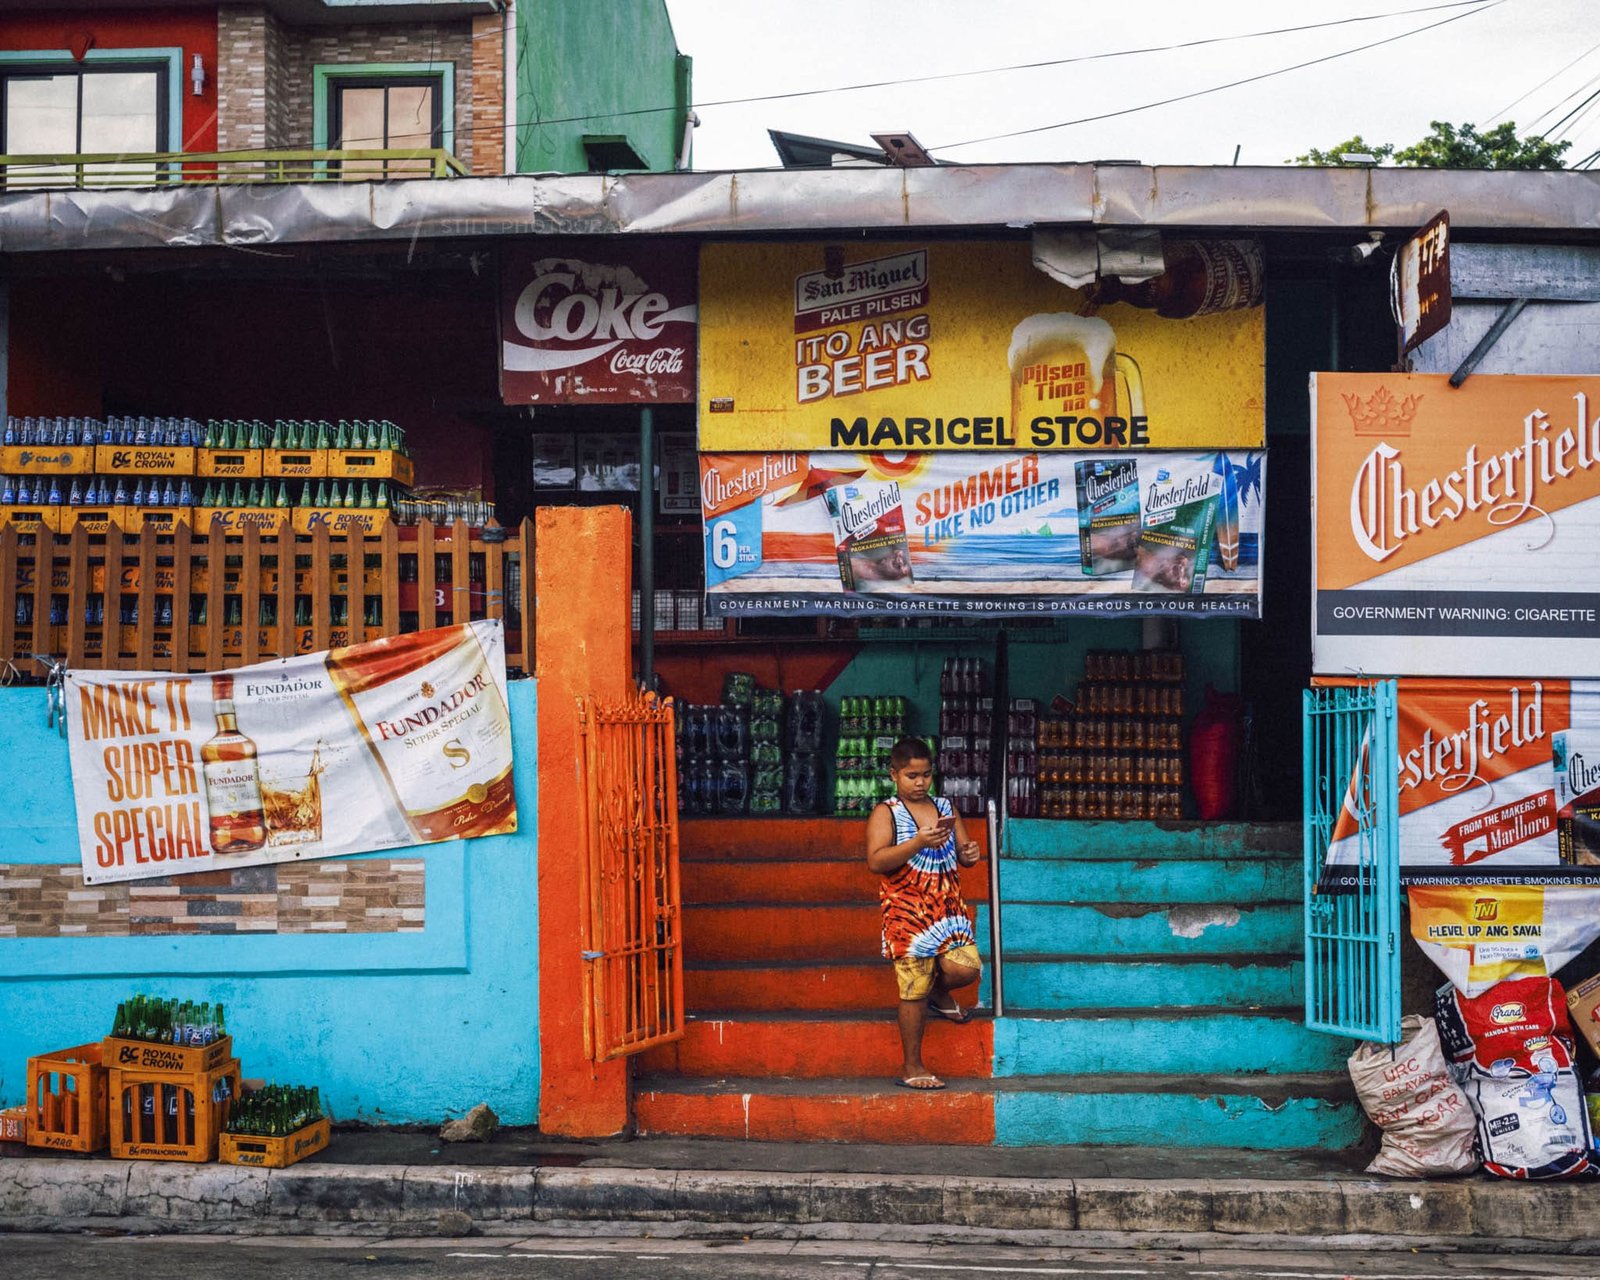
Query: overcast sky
point(1471, 69)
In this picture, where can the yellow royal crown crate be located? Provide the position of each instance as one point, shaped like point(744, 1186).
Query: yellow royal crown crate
point(28, 519)
point(46, 459)
point(292, 463)
point(371, 464)
point(265, 1152)
point(96, 519)
point(152, 1056)
point(67, 1099)
point(145, 459)
point(269, 522)
point(341, 520)
point(165, 1115)
point(230, 464)
point(161, 519)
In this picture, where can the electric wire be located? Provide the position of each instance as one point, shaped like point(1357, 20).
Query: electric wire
point(1232, 84)
point(1551, 110)
point(1517, 101)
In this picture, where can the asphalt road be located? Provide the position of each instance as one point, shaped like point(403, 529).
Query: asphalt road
point(51, 1257)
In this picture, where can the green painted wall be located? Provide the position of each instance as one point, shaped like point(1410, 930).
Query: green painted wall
point(579, 64)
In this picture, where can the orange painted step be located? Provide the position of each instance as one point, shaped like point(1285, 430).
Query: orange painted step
point(706, 883)
point(841, 986)
point(741, 1045)
point(836, 1110)
point(846, 931)
point(783, 839)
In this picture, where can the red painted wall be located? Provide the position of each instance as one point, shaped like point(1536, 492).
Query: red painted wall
point(192, 30)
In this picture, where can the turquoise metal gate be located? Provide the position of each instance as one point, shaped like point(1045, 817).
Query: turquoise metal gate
point(1352, 891)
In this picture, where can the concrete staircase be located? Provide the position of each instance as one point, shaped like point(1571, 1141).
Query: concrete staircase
point(1153, 988)
point(791, 1033)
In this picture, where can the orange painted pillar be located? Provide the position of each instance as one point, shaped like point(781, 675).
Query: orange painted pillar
point(583, 578)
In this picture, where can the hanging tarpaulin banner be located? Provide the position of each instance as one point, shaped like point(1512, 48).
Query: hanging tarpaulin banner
point(1483, 935)
point(983, 535)
point(944, 346)
point(600, 322)
point(399, 741)
point(1456, 526)
point(1499, 783)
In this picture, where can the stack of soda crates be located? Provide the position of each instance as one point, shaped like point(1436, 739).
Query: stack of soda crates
point(766, 751)
point(869, 726)
point(966, 721)
point(172, 1079)
point(802, 766)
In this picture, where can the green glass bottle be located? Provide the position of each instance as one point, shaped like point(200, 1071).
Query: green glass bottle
point(238, 494)
point(282, 500)
point(382, 500)
point(350, 493)
point(324, 434)
point(209, 439)
point(208, 497)
point(374, 437)
point(254, 440)
point(305, 493)
point(322, 494)
point(366, 494)
point(341, 435)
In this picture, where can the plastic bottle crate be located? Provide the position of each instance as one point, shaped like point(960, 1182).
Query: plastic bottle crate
point(265, 1152)
point(170, 1115)
point(67, 1099)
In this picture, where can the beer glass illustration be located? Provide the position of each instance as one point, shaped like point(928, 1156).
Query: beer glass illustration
point(1068, 365)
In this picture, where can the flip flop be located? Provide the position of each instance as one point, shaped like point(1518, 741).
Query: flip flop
point(952, 1012)
point(922, 1084)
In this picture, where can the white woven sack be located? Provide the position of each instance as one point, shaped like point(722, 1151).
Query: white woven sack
point(1429, 1130)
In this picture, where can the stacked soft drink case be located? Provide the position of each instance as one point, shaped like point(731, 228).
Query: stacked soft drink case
point(869, 726)
point(1117, 752)
point(966, 726)
point(766, 751)
point(1022, 732)
point(802, 778)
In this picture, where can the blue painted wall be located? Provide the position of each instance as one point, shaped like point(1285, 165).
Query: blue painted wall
point(394, 1027)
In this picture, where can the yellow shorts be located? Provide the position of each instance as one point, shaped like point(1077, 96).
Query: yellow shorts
point(914, 974)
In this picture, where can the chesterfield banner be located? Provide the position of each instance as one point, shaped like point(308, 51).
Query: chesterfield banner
point(1456, 527)
point(969, 346)
point(400, 741)
point(1499, 783)
point(999, 534)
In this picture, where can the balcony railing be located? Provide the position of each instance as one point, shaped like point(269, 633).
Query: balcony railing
point(218, 168)
point(179, 600)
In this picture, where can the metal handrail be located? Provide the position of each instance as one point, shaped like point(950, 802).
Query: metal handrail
point(39, 172)
point(996, 966)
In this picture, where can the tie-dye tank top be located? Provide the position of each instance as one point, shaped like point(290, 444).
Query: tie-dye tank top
point(923, 914)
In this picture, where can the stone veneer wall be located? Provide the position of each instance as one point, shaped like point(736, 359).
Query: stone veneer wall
point(488, 94)
point(369, 895)
point(306, 47)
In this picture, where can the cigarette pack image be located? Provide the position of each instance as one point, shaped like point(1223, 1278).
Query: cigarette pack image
point(869, 535)
point(1174, 549)
point(1108, 515)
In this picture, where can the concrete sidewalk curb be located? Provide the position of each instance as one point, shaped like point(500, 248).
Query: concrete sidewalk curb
point(321, 1198)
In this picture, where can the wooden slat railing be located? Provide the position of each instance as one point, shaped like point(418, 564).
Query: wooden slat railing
point(151, 601)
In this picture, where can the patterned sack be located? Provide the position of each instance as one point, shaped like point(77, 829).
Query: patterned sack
point(1512, 1052)
point(1406, 1090)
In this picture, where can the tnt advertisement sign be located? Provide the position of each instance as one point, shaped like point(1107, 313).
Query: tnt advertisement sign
point(604, 324)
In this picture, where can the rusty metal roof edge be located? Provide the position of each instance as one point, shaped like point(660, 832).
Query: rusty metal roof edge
point(779, 201)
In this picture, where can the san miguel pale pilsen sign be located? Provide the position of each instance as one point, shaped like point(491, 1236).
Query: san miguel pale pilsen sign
point(598, 323)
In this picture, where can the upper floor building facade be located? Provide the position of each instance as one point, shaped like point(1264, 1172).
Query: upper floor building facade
point(557, 86)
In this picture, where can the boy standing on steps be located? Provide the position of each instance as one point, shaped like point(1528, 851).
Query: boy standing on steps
point(917, 844)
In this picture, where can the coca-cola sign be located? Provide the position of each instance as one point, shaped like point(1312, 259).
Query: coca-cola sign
point(602, 323)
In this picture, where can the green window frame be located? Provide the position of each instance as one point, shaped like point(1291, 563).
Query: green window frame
point(326, 76)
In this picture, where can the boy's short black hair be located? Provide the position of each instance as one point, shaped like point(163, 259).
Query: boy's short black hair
point(907, 750)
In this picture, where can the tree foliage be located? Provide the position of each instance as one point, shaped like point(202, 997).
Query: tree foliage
point(1449, 146)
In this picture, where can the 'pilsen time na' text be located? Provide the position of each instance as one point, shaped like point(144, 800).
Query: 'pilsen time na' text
point(1062, 432)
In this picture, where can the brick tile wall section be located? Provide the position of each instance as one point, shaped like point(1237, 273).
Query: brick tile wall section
point(305, 47)
point(488, 94)
point(242, 81)
point(333, 895)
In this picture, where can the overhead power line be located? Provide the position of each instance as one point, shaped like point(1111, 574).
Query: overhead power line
point(1518, 101)
point(1232, 84)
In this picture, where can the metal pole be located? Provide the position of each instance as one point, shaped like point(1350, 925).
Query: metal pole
point(996, 965)
point(647, 547)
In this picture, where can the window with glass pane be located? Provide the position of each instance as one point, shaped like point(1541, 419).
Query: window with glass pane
point(386, 115)
point(111, 110)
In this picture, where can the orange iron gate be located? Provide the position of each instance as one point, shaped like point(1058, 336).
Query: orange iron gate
point(633, 928)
